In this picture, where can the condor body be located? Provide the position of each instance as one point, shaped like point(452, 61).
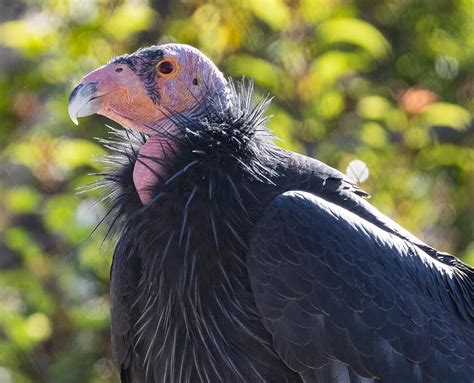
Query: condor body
point(238, 261)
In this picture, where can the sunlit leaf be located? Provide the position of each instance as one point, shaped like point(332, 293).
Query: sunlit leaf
point(330, 104)
point(373, 107)
point(416, 136)
point(128, 19)
point(277, 18)
point(357, 171)
point(38, 327)
point(24, 152)
point(282, 125)
point(262, 71)
point(93, 314)
point(70, 154)
point(331, 66)
point(310, 130)
point(373, 135)
point(447, 155)
point(31, 36)
point(22, 199)
point(469, 255)
point(60, 217)
point(446, 114)
point(91, 259)
point(18, 239)
point(356, 32)
point(316, 10)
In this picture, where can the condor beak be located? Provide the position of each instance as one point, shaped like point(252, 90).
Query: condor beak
point(87, 97)
point(84, 100)
point(116, 92)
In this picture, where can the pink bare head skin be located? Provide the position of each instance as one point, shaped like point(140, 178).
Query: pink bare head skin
point(142, 90)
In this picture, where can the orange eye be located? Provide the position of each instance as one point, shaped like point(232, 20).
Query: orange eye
point(166, 68)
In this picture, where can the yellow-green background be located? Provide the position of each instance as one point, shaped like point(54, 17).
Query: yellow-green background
point(387, 82)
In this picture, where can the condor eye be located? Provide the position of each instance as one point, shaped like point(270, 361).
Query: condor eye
point(166, 67)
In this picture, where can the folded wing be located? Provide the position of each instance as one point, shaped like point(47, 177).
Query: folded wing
point(347, 301)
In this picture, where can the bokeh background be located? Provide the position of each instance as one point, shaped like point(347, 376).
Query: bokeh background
point(389, 83)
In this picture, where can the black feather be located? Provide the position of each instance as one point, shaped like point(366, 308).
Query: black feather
point(183, 305)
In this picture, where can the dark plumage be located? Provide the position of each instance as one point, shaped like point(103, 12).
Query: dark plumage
point(254, 264)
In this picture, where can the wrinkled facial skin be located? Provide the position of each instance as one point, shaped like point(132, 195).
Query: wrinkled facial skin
point(143, 89)
point(122, 98)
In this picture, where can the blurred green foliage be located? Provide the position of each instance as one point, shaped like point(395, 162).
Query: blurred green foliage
point(389, 83)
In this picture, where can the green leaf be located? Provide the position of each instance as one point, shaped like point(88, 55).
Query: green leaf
point(330, 104)
point(73, 153)
point(332, 65)
point(446, 114)
point(447, 155)
point(128, 19)
point(469, 254)
point(356, 32)
point(274, 12)
point(31, 36)
point(373, 107)
point(373, 135)
point(22, 199)
point(38, 327)
point(262, 71)
point(60, 216)
point(282, 124)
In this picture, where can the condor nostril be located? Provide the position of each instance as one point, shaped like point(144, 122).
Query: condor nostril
point(118, 70)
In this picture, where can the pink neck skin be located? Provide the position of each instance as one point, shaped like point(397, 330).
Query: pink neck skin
point(147, 170)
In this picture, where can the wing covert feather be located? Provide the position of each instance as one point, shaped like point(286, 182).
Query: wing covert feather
point(347, 301)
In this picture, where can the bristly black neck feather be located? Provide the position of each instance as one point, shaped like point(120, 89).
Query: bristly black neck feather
point(225, 141)
point(191, 239)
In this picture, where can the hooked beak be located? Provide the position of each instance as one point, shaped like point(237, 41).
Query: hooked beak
point(116, 92)
point(84, 100)
point(88, 97)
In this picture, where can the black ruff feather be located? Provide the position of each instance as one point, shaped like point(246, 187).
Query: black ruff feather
point(193, 313)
